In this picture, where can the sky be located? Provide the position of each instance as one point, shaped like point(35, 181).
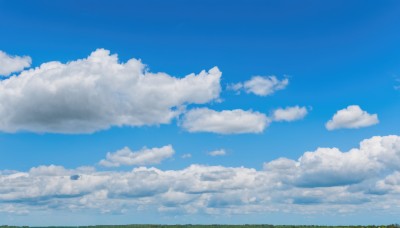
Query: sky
point(202, 112)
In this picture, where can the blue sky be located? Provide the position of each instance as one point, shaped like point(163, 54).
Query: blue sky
point(102, 137)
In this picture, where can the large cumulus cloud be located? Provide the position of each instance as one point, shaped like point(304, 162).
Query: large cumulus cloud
point(97, 93)
point(326, 167)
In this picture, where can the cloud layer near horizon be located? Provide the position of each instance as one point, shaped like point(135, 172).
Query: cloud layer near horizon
point(364, 177)
point(96, 93)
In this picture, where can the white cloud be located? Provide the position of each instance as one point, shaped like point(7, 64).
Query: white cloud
point(10, 64)
point(235, 121)
point(186, 156)
point(390, 184)
point(331, 167)
point(289, 113)
point(220, 152)
point(351, 117)
point(142, 157)
point(261, 85)
point(235, 87)
point(96, 93)
point(364, 178)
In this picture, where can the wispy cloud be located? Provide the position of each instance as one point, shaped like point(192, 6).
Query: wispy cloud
point(220, 152)
point(186, 156)
point(260, 85)
point(397, 86)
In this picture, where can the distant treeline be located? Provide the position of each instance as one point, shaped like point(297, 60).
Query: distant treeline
point(207, 226)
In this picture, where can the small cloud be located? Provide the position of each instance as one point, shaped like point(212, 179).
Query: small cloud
point(142, 157)
point(10, 64)
point(260, 85)
point(351, 117)
point(397, 87)
point(224, 122)
point(220, 152)
point(396, 83)
point(235, 87)
point(186, 156)
point(289, 113)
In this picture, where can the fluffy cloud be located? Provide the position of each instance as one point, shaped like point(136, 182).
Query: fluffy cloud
point(260, 85)
point(327, 167)
point(220, 152)
point(289, 113)
point(390, 184)
point(351, 117)
point(10, 64)
point(142, 157)
point(97, 93)
point(367, 177)
point(224, 122)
